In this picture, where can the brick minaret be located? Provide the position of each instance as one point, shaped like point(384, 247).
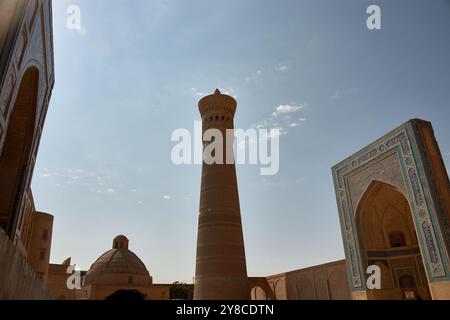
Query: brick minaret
point(221, 272)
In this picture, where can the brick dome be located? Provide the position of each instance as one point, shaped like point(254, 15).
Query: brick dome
point(118, 266)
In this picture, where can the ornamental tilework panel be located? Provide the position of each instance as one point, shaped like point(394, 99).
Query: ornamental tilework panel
point(402, 142)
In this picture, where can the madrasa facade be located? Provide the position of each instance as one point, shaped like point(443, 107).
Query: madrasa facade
point(393, 202)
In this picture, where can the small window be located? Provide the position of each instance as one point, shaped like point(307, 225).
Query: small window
point(407, 282)
point(42, 254)
point(397, 239)
point(223, 118)
point(217, 117)
point(45, 235)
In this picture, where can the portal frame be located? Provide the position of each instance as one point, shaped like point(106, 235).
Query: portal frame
point(429, 216)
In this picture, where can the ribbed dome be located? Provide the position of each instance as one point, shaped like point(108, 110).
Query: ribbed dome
point(119, 261)
point(118, 266)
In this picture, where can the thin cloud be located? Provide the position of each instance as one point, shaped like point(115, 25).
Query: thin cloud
point(288, 108)
point(281, 120)
point(281, 67)
point(297, 124)
point(86, 179)
point(198, 93)
point(253, 77)
point(275, 132)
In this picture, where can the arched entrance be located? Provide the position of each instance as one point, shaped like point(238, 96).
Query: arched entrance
point(258, 293)
point(388, 239)
point(126, 295)
point(16, 152)
point(260, 289)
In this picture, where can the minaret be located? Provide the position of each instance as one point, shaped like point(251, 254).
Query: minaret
point(221, 272)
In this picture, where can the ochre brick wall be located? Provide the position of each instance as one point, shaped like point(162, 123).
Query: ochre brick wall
point(18, 280)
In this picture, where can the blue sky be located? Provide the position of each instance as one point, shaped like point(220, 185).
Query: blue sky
point(136, 72)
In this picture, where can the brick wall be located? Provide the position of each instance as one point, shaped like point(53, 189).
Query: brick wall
point(18, 280)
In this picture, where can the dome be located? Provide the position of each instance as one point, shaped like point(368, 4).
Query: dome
point(217, 99)
point(118, 266)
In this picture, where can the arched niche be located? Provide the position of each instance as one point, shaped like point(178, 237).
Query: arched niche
point(17, 149)
point(388, 239)
point(258, 293)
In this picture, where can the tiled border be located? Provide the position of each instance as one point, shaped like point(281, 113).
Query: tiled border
point(401, 142)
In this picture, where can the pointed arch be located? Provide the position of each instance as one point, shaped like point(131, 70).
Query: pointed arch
point(373, 187)
point(17, 150)
point(382, 210)
point(258, 293)
point(387, 237)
